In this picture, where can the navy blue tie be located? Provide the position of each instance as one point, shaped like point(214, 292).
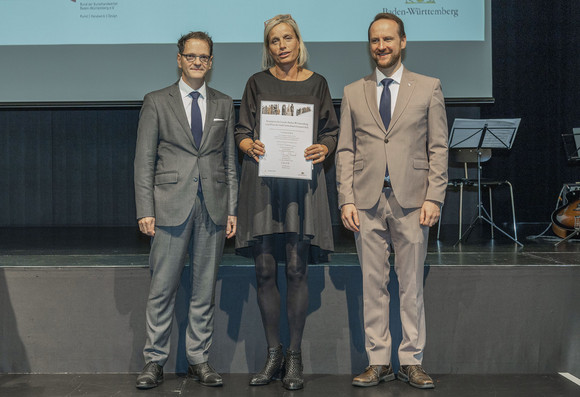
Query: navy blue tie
point(385, 111)
point(196, 124)
point(385, 105)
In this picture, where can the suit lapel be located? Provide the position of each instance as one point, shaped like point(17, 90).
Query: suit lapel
point(370, 91)
point(176, 105)
point(211, 107)
point(406, 89)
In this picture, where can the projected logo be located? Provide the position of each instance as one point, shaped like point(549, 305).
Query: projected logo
point(419, 1)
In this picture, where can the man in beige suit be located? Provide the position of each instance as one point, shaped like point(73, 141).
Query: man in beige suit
point(391, 165)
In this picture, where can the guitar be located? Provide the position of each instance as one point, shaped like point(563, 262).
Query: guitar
point(566, 219)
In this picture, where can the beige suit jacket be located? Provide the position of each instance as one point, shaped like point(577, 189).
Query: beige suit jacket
point(414, 147)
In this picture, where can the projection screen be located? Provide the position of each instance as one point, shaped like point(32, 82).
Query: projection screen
point(77, 52)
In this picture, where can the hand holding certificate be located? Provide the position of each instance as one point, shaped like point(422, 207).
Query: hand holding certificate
point(286, 130)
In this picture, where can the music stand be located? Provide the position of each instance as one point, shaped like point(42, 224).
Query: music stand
point(572, 145)
point(483, 134)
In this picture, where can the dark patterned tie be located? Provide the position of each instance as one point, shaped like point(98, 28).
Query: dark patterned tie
point(385, 105)
point(196, 124)
point(385, 111)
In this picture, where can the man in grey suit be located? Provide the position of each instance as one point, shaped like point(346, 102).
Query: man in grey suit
point(186, 194)
point(391, 167)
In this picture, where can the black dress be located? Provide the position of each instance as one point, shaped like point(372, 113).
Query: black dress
point(273, 206)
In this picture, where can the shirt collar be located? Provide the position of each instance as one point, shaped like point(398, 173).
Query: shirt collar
point(397, 76)
point(186, 90)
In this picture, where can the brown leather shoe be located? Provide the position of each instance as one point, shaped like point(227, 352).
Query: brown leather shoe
point(373, 375)
point(416, 376)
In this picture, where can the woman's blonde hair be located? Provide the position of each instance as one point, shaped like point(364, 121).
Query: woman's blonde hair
point(267, 59)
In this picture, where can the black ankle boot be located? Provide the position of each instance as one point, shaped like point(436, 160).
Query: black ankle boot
point(272, 369)
point(293, 377)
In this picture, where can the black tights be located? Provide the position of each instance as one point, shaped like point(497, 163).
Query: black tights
point(269, 295)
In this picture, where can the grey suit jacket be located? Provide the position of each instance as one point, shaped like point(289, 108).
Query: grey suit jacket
point(414, 147)
point(168, 165)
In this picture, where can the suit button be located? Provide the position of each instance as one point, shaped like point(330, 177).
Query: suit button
point(386, 140)
point(195, 179)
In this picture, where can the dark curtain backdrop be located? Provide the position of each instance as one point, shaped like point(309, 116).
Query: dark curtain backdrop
point(73, 166)
point(65, 167)
point(536, 68)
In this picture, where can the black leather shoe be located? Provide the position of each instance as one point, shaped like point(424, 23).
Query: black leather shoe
point(293, 379)
point(205, 374)
point(150, 377)
point(272, 369)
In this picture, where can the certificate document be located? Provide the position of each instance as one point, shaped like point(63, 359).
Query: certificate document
point(286, 130)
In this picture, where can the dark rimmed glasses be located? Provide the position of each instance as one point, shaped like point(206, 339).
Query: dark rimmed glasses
point(191, 58)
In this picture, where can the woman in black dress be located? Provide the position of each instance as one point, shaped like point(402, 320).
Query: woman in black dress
point(280, 211)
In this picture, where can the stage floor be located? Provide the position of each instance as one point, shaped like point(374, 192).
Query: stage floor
point(126, 246)
point(236, 385)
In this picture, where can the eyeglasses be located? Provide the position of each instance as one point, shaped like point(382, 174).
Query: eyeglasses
point(191, 57)
point(280, 18)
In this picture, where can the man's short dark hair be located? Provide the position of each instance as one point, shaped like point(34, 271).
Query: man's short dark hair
point(197, 36)
point(392, 17)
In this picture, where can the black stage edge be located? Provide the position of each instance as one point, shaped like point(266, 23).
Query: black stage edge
point(236, 385)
